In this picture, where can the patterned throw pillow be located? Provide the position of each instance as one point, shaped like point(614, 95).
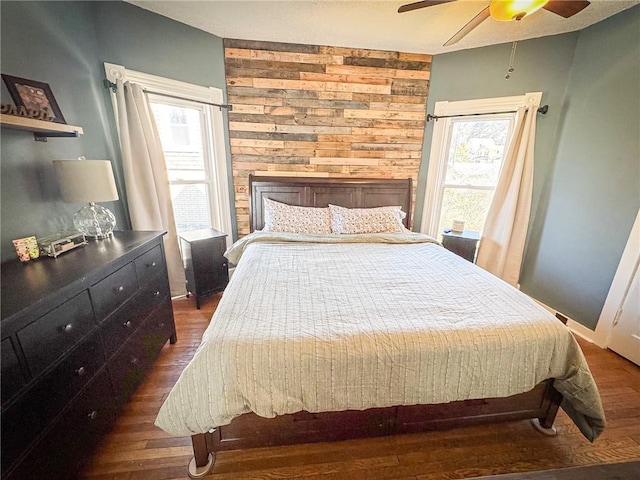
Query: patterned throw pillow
point(280, 217)
point(366, 220)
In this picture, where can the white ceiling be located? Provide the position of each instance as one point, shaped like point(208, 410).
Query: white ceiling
point(370, 24)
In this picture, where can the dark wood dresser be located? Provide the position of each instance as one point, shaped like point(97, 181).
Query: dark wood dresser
point(78, 333)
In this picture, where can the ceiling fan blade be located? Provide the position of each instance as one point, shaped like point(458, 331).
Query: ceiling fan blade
point(464, 31)
point(566, 8)
point(426, 3)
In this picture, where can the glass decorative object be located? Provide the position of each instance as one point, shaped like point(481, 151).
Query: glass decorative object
point(94, 221)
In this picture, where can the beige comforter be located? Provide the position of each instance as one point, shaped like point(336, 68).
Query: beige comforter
point(350, 322)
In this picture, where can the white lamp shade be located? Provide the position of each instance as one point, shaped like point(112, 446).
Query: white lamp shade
point(86, 180)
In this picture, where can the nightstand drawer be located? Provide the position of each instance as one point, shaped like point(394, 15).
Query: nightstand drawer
point(149, 264)
point(61, 329)
point(114, 290)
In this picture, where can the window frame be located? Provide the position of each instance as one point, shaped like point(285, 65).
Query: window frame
point(441, 137)
point(209, 179)
point(219, 197)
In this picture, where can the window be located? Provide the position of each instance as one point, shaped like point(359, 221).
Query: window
point(182, 126)
point(467, 153)
point(191, 131)
point(475, 153)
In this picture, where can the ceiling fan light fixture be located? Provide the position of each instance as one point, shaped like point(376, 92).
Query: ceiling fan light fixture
point(507, 10)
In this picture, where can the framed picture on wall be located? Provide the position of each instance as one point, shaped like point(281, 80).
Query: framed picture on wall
point(33, 95)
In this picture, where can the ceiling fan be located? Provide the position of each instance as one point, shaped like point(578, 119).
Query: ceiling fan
point(504, 10)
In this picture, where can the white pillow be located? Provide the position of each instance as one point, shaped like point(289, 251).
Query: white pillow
point(280, 217)
point(366, 220)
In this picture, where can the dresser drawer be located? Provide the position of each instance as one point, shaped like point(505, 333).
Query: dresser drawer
point(50, 336)
point(114, 290)
point(21, 424)
point(61, 453)
point(26, 419)
point(121, 324)
point(128, 367)
point(157, 329)
point(153, 294)
point(60, 385)
point(149, 264)
point(12, 376)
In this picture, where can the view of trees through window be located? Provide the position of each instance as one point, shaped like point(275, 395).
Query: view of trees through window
point(180, 129)
point(476, 151)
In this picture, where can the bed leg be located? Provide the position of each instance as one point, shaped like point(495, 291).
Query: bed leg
point(545, 424)
point(202, 461)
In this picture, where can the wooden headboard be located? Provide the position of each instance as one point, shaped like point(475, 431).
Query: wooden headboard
point(320, 192)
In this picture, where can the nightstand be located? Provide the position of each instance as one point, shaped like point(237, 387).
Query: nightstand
point(206, 268)
point(464, 243)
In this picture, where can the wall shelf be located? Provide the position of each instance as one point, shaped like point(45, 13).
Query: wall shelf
point(41, 129)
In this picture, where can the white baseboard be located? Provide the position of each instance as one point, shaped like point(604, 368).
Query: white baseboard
point(575, 327)
point(582, 331)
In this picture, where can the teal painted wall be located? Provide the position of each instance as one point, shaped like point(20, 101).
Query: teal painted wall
point(53, 43)
point(541, 65)
point(586, 180)
point(65, 44)
point(150, 43)
point(595, 193)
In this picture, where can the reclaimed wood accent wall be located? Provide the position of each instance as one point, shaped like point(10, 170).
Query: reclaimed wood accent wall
point(309, 110)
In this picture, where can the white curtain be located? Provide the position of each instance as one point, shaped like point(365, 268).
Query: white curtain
point(145, 175)
point(505, 231)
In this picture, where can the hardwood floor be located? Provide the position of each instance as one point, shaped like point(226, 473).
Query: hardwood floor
point(136, 449)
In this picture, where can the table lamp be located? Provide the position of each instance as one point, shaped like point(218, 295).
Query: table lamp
point(89, 181)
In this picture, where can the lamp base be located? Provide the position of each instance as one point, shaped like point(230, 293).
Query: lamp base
point(94, 221)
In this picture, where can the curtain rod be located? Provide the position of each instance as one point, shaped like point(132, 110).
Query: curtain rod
point(112, 86)
point(543, 110)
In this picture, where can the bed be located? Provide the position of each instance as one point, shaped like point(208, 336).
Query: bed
point(322, 337)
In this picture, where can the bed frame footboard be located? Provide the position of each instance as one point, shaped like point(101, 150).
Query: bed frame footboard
point(539, 405)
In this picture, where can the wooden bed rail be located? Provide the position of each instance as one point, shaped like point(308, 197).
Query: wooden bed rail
point(540, 405)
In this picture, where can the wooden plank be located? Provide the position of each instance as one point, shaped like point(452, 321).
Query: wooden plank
point(282, 56)
point(345, 162)
point(240, 108)
point(377, 72)
point(386, 63)
point(342, 78)
point(391, 114)
point(272, 46)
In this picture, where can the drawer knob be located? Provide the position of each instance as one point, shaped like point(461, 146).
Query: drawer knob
point(120, 288)
point(153, 264)
point(134, 361)
point(93, 415)
point(127, 324)
point(68, 327)
point(161, 324)
point(80, 371)
point(156, 293)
